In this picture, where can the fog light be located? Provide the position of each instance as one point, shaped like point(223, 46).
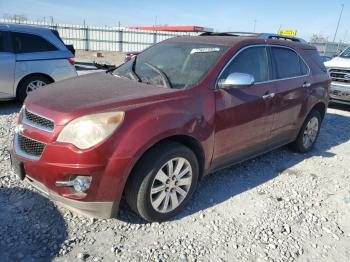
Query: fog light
point(79, 183)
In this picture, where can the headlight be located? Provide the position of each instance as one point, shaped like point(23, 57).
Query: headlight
point(87, 131)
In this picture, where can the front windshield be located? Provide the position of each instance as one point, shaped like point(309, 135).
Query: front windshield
point(175, 65)
point(346, 52)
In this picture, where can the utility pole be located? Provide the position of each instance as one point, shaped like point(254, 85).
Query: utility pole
point(155, 21)
point(279, 28)
point(254, 26)
point(336, 30)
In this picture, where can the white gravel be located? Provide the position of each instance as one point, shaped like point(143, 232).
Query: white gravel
point(278, 207)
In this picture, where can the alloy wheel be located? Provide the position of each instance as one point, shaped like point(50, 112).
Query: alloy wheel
point(171, 185)
point(34, 85)
point(310, 132)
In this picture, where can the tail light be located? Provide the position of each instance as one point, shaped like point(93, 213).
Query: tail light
point(71, 61)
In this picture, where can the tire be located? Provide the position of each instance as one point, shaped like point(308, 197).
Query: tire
point(30, 84)
point(145, 177)
point(299, 144)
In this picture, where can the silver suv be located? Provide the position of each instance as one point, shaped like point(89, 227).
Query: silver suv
point(339, 71)
point(31, 57)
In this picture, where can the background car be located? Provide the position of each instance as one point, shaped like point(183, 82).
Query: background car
point(31, 57)
point(339, 71)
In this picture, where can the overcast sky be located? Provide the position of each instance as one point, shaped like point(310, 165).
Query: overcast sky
point(306, 16)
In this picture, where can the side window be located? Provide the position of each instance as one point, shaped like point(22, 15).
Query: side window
point(2, 41)
point(304, 68)
point(315, 56)
point(287, 63)
point(254, 61)
point(28, 43)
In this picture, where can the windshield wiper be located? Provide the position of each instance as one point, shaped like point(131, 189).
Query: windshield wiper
point(162, 74)
point(110, 70)
point(133, 72)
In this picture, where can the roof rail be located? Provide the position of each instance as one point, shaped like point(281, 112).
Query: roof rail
point(259, 35)
point(281, 37)
point(228, 34)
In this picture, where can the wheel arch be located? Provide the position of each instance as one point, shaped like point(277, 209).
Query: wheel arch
point(321, 108)
point(31, 75)
point(185, 140)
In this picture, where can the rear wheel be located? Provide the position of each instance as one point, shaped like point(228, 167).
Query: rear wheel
point(163, 181)
point(308, 133)
point(30, 84)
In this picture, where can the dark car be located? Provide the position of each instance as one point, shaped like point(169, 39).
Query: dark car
point(151, 129)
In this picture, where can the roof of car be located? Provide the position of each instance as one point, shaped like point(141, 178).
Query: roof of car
point(231, 41)
point(22, 28)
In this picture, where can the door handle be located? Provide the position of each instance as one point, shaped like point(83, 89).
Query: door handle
point(268, 95)
point(306, 84)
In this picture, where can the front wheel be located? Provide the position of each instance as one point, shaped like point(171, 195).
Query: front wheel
point(308, 133)
point(163, 182)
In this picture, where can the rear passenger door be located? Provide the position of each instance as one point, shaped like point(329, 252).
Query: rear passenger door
point(7, 66)
point(291, 77)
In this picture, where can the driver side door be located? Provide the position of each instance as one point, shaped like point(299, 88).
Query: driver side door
point(244, 116)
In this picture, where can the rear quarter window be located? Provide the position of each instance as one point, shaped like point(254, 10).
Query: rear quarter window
point(315, 56)
point(2, 41)
point(29, 43)
point(287, 63)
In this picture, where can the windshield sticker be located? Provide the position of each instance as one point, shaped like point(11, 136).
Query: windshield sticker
point(205, 50)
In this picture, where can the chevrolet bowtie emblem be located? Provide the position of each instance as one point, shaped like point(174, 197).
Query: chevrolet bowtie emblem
point(19, 128)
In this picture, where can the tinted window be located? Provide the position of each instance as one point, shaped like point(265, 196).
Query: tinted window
point(315, 56)
point(287, 63)
point(252, 61)
point(2, 49)
point(28, 43)
point(304, 68)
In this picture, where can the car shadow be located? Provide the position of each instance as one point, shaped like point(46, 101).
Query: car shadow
point(31, 228)
point(9, 107)
point(339, 106)
point(232, 181)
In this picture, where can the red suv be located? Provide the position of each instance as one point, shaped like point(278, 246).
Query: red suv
point(152, 128)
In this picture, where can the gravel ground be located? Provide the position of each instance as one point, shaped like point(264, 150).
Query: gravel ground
point(278, 207)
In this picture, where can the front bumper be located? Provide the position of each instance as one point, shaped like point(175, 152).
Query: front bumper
point(340, 93)
point(93, 209)
point(59, 162)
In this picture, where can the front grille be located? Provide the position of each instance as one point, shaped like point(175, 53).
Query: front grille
point(38, 121)
point(30, 146)
point(340, 75)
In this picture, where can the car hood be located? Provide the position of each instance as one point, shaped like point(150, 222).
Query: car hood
point(91, 93)
point(338, 62)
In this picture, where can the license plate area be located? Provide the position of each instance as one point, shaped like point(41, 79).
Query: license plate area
point(340, 93)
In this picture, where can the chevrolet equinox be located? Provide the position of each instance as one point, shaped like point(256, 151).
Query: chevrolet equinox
point(153, 127)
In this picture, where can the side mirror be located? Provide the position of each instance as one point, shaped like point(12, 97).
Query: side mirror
point(236, 80)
